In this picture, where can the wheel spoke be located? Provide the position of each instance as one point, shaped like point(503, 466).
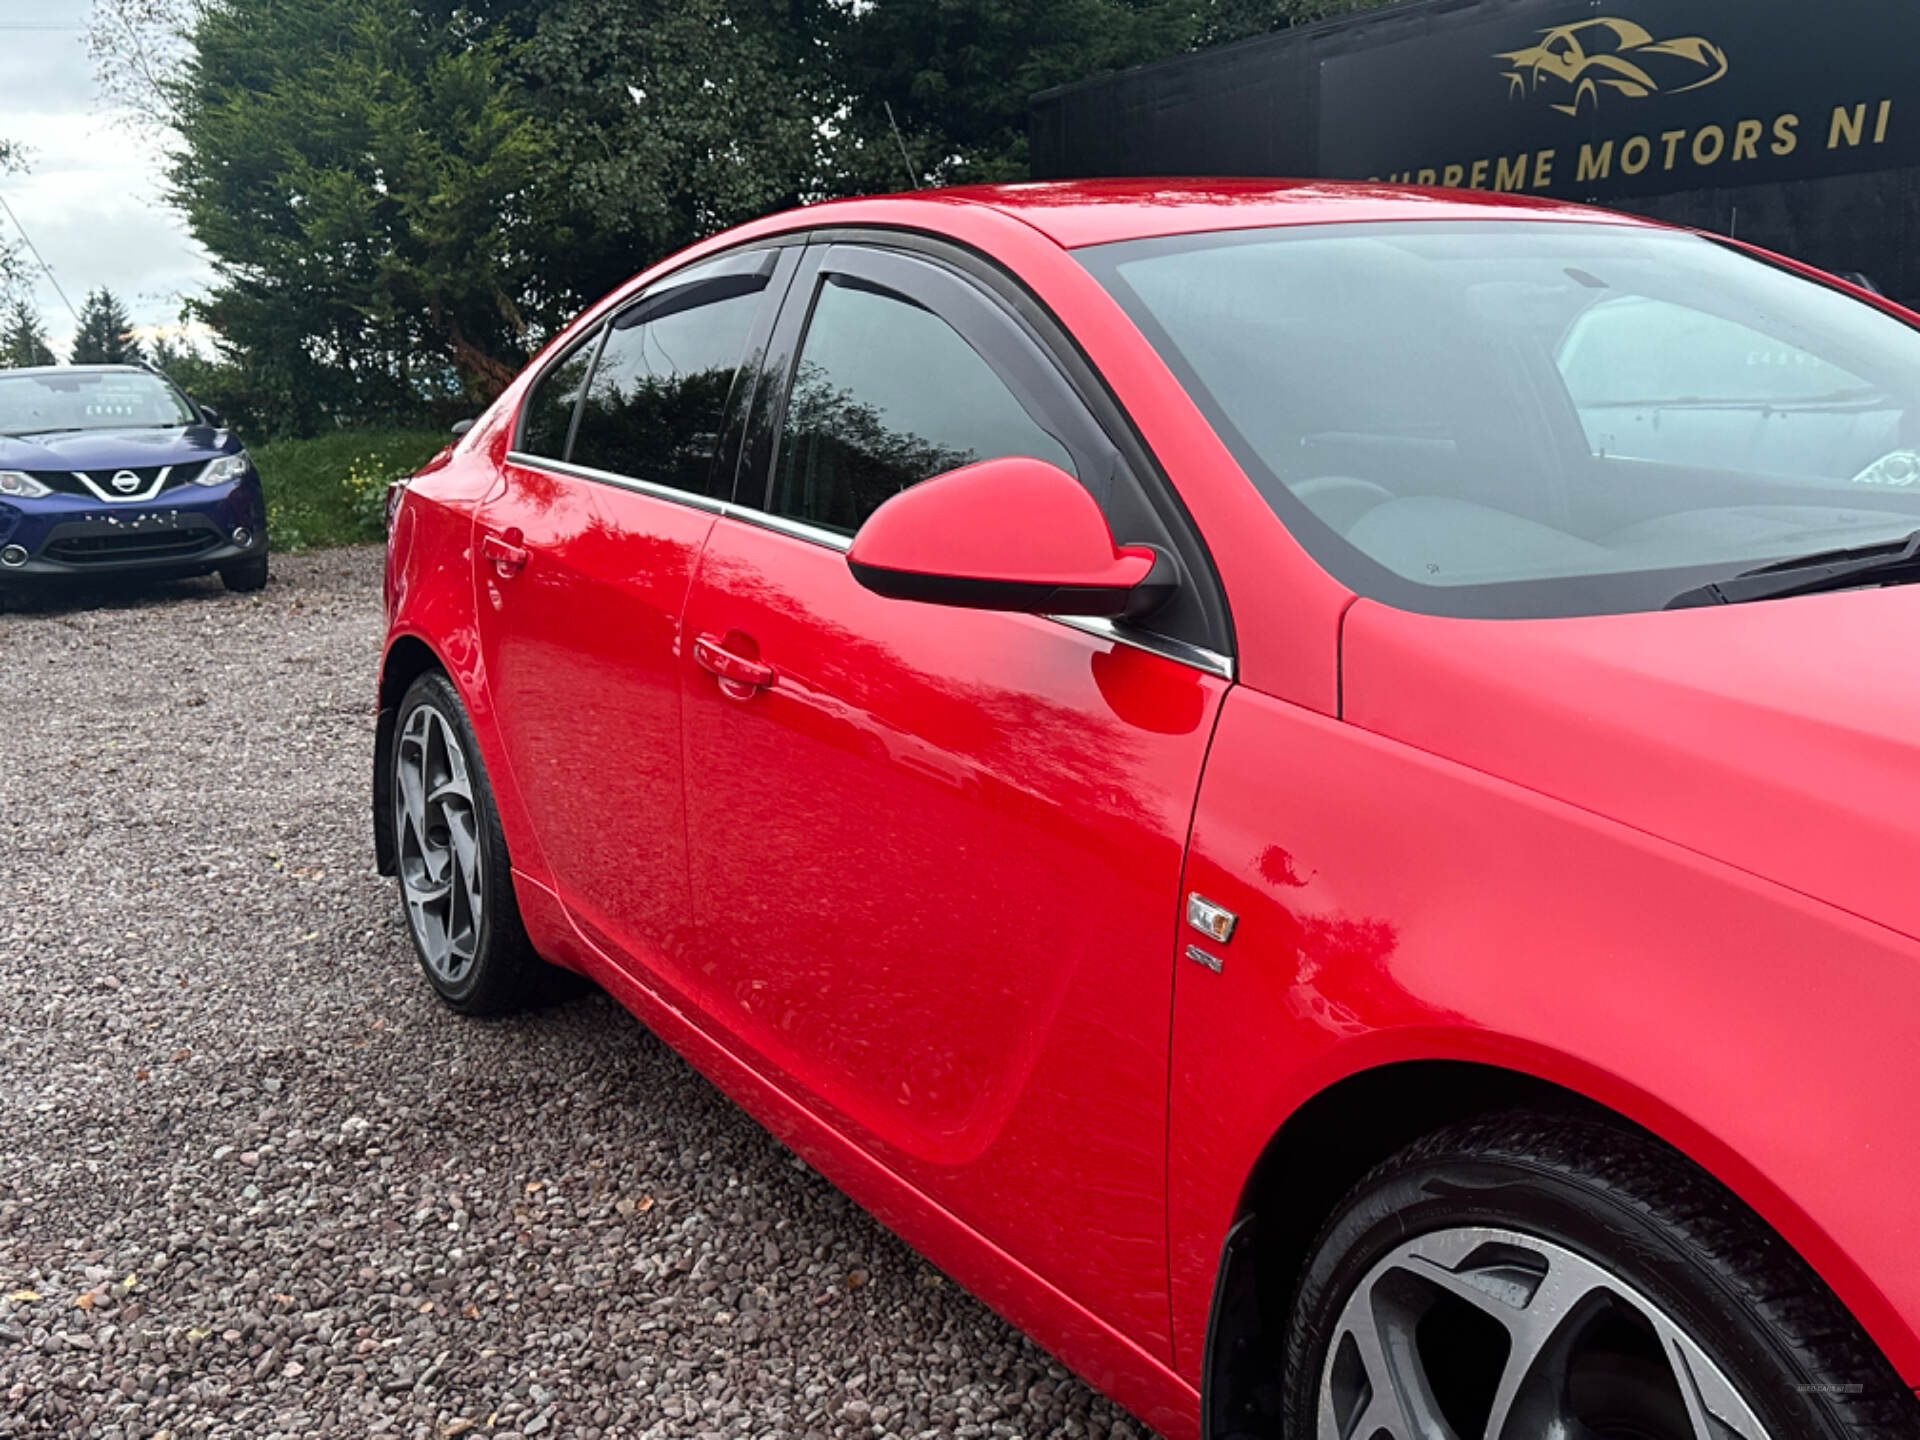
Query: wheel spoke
point(430, 928)
point(1551, 1304)
point(466, 850)
point(454, 789)
point(461, 931)
point(413, 795)
point(431, 893)
point(1714, 1407)
point(455, 756)
point(1543, 1315)
point(1384, 1407)
point(463, 838)
point(440, 859)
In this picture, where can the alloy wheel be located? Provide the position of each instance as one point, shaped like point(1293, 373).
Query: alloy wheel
point(1483, 1334)
point(438, 830)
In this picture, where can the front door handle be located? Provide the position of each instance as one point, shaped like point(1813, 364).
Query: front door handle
point(739, 676)
point(508, 556)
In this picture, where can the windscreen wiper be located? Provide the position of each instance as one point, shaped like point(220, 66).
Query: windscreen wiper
point(1890, 562)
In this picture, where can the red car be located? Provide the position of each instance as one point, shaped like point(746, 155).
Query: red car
point(1315, 790)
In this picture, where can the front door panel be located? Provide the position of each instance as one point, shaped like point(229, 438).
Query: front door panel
point(936, 867)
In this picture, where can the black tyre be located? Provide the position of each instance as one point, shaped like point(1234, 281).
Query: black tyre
point(1523, 1277)
point(245, 575)
point(456, 884)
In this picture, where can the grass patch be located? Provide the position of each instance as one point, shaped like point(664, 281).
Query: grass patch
point(331, 490)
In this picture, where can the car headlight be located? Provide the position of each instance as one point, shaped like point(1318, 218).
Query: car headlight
point(223, 471)
point(21, 486)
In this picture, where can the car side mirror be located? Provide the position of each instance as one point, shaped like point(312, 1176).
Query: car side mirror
point(213, 417)
point(460, 427)
point(1011, 534)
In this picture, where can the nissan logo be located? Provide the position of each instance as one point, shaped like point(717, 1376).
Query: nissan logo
point(126, 482)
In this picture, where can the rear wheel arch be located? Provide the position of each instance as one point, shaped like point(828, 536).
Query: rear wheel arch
point(407, 659)
point(1319, 1153)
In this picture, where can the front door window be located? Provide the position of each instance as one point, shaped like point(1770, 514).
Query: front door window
point(888, 394)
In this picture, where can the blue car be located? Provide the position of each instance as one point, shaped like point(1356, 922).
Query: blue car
point(111, 469)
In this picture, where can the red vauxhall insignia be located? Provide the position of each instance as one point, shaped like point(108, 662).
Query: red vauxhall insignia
point(1315, 790)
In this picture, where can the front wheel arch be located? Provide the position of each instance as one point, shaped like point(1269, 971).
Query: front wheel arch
point(1321, 1151)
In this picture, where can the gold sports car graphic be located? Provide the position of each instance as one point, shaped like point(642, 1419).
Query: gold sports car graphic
point(1590, 56)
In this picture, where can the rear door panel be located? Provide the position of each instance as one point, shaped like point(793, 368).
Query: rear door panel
point(581, 648)
point(582, 637)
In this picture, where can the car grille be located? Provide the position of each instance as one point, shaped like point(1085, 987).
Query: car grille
point(68, 482)
point(97, 547)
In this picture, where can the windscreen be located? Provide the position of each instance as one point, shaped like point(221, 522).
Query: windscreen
point(89, 400)
point(1536, 418)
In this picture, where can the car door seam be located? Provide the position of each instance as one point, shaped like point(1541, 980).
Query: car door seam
point(1173, 1003)
point(680, 715)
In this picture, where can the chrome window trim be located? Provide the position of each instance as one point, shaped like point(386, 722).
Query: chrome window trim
point(785, 525)
point(624, 482)
point(1196, 657)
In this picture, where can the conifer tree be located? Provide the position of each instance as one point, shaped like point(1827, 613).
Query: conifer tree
point(23, 338)
point(105, 336)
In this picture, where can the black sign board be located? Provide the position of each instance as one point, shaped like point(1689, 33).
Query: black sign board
point(1568, 98)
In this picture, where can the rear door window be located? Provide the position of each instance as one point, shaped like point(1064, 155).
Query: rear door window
point(657, 403)
point(547, 420)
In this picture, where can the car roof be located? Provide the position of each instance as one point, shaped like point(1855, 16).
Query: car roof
point(76, 370)
point(1073, 213)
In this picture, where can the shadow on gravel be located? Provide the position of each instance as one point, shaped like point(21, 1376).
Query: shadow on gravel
point(64, 597)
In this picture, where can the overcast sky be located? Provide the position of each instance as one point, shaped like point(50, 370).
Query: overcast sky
point(92, 199)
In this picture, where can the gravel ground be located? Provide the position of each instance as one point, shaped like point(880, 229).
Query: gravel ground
point(255, 1182)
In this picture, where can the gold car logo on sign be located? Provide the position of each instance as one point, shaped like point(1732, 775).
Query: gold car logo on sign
point(1589, 59)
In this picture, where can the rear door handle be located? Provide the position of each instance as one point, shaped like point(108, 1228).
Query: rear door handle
point(507, 557)
point(739, 676)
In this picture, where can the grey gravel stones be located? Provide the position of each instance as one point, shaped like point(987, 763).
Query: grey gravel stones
point(255, 1182)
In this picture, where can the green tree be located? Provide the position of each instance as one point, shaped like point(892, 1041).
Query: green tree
point(23, 341)
point(12, 272)
point(373, 192)
point(1221, 21)
point(958, 75)
point(675, 118)
point(232, 387)
point(105, 332)
point(403, 198)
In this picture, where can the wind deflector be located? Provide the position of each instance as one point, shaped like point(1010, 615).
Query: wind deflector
point(735, 280)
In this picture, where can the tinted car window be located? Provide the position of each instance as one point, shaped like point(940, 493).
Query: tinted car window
point(1536, 418)
point(549, 409)
point(655, 406)
point(887, 394)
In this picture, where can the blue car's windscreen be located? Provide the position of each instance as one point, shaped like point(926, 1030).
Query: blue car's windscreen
point(1535, 418)
point(100, 400)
